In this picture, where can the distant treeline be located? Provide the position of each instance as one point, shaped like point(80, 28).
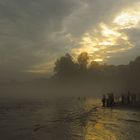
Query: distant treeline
point(80, 70)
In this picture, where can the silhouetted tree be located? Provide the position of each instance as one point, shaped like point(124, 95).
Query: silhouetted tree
point(65, 67)
point(83, 60)
point(94, 70)
point(94, 65)
point(123, 76)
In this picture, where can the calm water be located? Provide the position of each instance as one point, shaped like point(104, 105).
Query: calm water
point(66, 119)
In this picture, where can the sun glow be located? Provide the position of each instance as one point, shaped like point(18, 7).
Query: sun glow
point(128, 20)
point(107, 32)
point(129, 17)
point(98, 60)
point(109, 38)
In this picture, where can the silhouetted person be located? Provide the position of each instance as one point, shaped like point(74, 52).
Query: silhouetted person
point(104, 101)
point(139, 97)
point(122, 98)
point(108, 100)
point(117, 99)
point(128, 98)
point(111, 98)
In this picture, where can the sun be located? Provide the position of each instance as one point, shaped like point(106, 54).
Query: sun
point(99, 60)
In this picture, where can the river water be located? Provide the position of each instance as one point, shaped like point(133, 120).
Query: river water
point(66, 119)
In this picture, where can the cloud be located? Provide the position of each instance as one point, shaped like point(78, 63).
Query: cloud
point(34, 33)
point(111, 36)
point(26, 27)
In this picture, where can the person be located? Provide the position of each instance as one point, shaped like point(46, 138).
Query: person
point(128, 98)
point(104, 101)
point(111, 99)
point(122, 98)
point(117, 99)
point(108, 100)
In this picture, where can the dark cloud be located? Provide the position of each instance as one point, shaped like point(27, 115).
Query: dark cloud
point(25, 28)
point(33, 32)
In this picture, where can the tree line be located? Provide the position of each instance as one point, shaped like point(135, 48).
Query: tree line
point(80, 70)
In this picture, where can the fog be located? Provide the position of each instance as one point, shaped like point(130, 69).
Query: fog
point(79, 77)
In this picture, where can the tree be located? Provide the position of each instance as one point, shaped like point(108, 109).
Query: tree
point(65, 66)
point(94, 65)
point(83, 60)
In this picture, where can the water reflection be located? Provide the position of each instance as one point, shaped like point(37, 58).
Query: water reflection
point(67, 119)
point(78, 121)
point(94, 128)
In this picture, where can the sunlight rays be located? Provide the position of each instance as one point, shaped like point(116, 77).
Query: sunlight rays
point(109, 38)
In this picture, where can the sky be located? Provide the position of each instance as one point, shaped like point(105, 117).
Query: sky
point(34, 33)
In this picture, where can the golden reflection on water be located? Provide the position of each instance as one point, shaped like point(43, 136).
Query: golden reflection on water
point(99, 132)
point(96, 130)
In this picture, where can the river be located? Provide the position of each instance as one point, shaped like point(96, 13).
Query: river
point(66, 118)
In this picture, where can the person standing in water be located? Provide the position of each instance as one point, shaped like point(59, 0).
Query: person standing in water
point(128, 97)
point(104, 101)
point(122, 98)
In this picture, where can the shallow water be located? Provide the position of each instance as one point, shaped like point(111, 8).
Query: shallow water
point(66, 119)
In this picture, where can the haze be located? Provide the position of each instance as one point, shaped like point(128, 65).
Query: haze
point(34, 34)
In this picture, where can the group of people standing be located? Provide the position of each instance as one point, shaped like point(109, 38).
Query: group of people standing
point(108, 100)
point(130, 98)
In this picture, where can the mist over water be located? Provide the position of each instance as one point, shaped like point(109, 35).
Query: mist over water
point(66, 119)
point(67, 106)
point(69, 70)
point(78, 78)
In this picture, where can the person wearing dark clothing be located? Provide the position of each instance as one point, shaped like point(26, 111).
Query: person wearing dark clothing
point(128, 98)
point(122, 98)
point(104, 101)
point(111, 99)
point(108, 100)
point(139, 97)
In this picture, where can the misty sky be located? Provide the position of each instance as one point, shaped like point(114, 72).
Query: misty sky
point(34, 33)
